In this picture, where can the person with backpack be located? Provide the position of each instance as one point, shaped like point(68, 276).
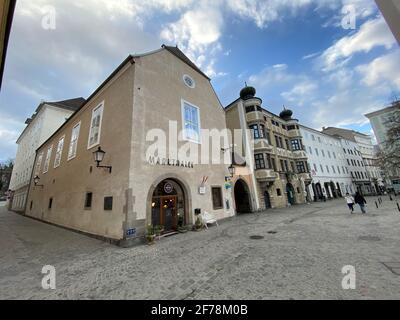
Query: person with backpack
point(350, 202)
point(360, 200)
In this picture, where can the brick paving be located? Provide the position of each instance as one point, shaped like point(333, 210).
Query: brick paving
point(300, 256)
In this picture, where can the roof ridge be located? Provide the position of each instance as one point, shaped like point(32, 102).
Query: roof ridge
point(180, 55)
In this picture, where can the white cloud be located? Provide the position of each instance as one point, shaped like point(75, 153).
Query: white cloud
point(263, 12)
point(311, 55)
point(301, 92)
point(343, 108)
point(197, 33)
point(371, 34)
point(384, 70)
point(10, 129)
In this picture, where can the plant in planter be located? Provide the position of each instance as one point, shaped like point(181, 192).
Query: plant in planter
point(181, 223)
point(182, 229)
point(150, 235)
point(199, 224)
point(158, 230)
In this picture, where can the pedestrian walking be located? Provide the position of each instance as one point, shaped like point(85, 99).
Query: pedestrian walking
point(350, 202)
point(360, 200)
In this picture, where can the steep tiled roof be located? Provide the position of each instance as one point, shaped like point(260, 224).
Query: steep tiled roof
point(71, 104)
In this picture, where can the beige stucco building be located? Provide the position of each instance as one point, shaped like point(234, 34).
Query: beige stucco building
point(48, 117)
point(276, 172)
point(150, 182)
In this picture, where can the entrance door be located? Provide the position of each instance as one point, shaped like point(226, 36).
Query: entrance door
point(290, 194)
point(242, 197)
point(168, 216)
point(267, 200)
point(168, 202)
point(319, 192)
point(339, 191)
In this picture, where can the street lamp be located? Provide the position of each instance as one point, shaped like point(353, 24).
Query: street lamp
point(36, 181)
point(231, 168)
point(98, 156)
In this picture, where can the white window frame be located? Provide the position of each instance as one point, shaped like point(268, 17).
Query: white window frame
point(39, 163)
point(47, 160)
point(183, 102)
point(70, 157)
point(56, 165)
point(100, 106)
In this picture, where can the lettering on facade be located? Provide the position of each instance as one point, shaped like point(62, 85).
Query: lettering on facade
point(156, 161)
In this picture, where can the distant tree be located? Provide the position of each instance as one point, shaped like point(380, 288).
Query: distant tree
point(5, 175)
point(389, 155)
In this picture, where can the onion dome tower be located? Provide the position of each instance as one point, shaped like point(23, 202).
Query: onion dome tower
point(247, 93)
point(286, 114)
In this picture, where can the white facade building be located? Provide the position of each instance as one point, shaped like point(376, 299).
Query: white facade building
point(48, 117)
point(363, 144)
point(329, 167)
point(356, 166)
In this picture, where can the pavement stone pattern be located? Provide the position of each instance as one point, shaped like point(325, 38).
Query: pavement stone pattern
point(300, 257)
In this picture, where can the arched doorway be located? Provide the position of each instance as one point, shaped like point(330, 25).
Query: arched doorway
point(168, 205)
point(318, 190)
point(267, 200)
point(326, 185)
point(290, 194)
point(339, 190)
point(242, 197)
point(333, 188)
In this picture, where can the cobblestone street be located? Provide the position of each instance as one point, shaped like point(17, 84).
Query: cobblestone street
point(300, 257)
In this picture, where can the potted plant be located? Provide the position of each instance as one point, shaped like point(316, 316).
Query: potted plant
point(199, 224)
point(158, 230)
point(182, 229)
point(150, 235)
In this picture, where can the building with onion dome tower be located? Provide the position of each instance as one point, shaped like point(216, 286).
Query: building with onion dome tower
point(277, 173)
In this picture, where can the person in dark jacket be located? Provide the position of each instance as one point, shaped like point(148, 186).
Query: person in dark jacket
point(360, 200)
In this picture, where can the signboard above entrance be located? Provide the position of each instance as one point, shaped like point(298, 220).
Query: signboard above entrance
point(156, 161)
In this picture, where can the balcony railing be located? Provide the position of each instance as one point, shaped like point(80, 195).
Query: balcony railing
point(265, 175)
point(254, 116)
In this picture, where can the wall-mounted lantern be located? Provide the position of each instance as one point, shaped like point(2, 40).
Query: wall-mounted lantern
point(36, 181)
point(232, 170)
point(232, 167)
point(98, 158)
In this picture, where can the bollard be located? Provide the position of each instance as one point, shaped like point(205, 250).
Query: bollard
point(398, 206)
point(376, 203)
point(390, 197)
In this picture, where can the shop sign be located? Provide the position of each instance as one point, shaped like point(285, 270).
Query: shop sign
point(156, 161)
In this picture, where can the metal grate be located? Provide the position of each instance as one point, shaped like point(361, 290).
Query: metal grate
point(256, 237)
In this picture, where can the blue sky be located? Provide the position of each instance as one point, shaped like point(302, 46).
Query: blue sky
point(294, 52)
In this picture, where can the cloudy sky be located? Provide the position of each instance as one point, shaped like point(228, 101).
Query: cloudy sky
point(295, 52)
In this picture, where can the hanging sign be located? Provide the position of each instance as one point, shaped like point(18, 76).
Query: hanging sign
point(168, 188)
